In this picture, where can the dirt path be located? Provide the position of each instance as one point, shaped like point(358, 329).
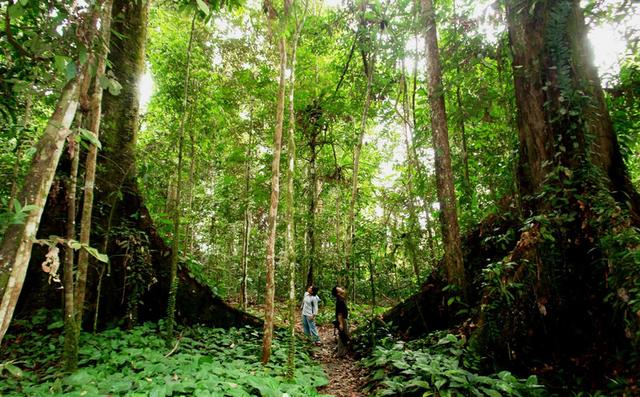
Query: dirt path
point(346, 378)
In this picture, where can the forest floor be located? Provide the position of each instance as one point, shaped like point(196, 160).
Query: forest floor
point(346, 377)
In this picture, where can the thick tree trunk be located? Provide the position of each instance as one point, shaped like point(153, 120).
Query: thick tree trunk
point(15, 251)
point(273, 208)
point(444, 175)
point(120, 213)
point(537, 62)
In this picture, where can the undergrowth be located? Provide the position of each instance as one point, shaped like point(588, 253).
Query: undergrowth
point(206, 362)
point(441, 365)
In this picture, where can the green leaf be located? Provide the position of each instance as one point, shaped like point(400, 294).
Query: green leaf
point(114, 87)
point(121, 386)
point(29, 208)
point(83, 56)
point(104, 82)
point(16, 11)
point(94, 252)
point(91, 137)
point(13, 370)
point(203, 6)
point(17, 206)
point(55, 325)
point(491, 392)
point(70, 70)
point(79, 378)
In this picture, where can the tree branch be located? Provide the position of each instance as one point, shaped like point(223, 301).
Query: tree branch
point(21, 50)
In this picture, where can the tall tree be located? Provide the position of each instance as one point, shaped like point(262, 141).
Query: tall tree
point(95, 115)
point(275, 179)
point(581, 209)
point(369, 62)
point(291, 154)
point(117, 199)
point(444, 174)
point(246, 227)
point(177, 212)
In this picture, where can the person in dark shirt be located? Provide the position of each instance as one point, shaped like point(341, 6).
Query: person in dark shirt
point(342, 321)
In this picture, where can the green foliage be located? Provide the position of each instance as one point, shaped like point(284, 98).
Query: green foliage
point(16, 216)
point(624, 106)
point(206, 362)
point(439, 365)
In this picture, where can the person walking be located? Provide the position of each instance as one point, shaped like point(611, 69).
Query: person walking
point(309, 312)
point(342, 321)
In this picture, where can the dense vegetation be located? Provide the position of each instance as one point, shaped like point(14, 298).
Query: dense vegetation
point(170, 169)
point(205, 362)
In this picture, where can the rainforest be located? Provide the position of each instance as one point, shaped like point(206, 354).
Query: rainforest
point(320, 198)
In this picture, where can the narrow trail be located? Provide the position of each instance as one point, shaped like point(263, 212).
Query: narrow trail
point(346, 378)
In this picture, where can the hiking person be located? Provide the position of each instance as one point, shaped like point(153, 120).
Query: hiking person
point(309, 312)
point(342, 321)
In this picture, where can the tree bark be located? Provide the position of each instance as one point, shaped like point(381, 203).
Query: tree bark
point(119, 207)
point(369, 71)
point(273, 208)
point(414, 226)
point(15, 250)
point(246, 228)
point(290, 241)
point(70, 324)
point(444, 175)
point(95, 115)
point(535, 66)
point(175, 247)
point(313, 202)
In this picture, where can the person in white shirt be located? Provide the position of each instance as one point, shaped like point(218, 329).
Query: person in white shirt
point(309, 312)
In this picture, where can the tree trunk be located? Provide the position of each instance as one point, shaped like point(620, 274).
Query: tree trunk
point(119, 209)
point(70, 324)
point(273, 208)
point(535, 61)
point(414, 226)
point(246, 229)
point(369, 70)
point(15, 250)
point(313, 202)
point(175, 247)
point(290, 241)
point(468, 191)
point(95, 115)
point(467, 199)
point(444, 175)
